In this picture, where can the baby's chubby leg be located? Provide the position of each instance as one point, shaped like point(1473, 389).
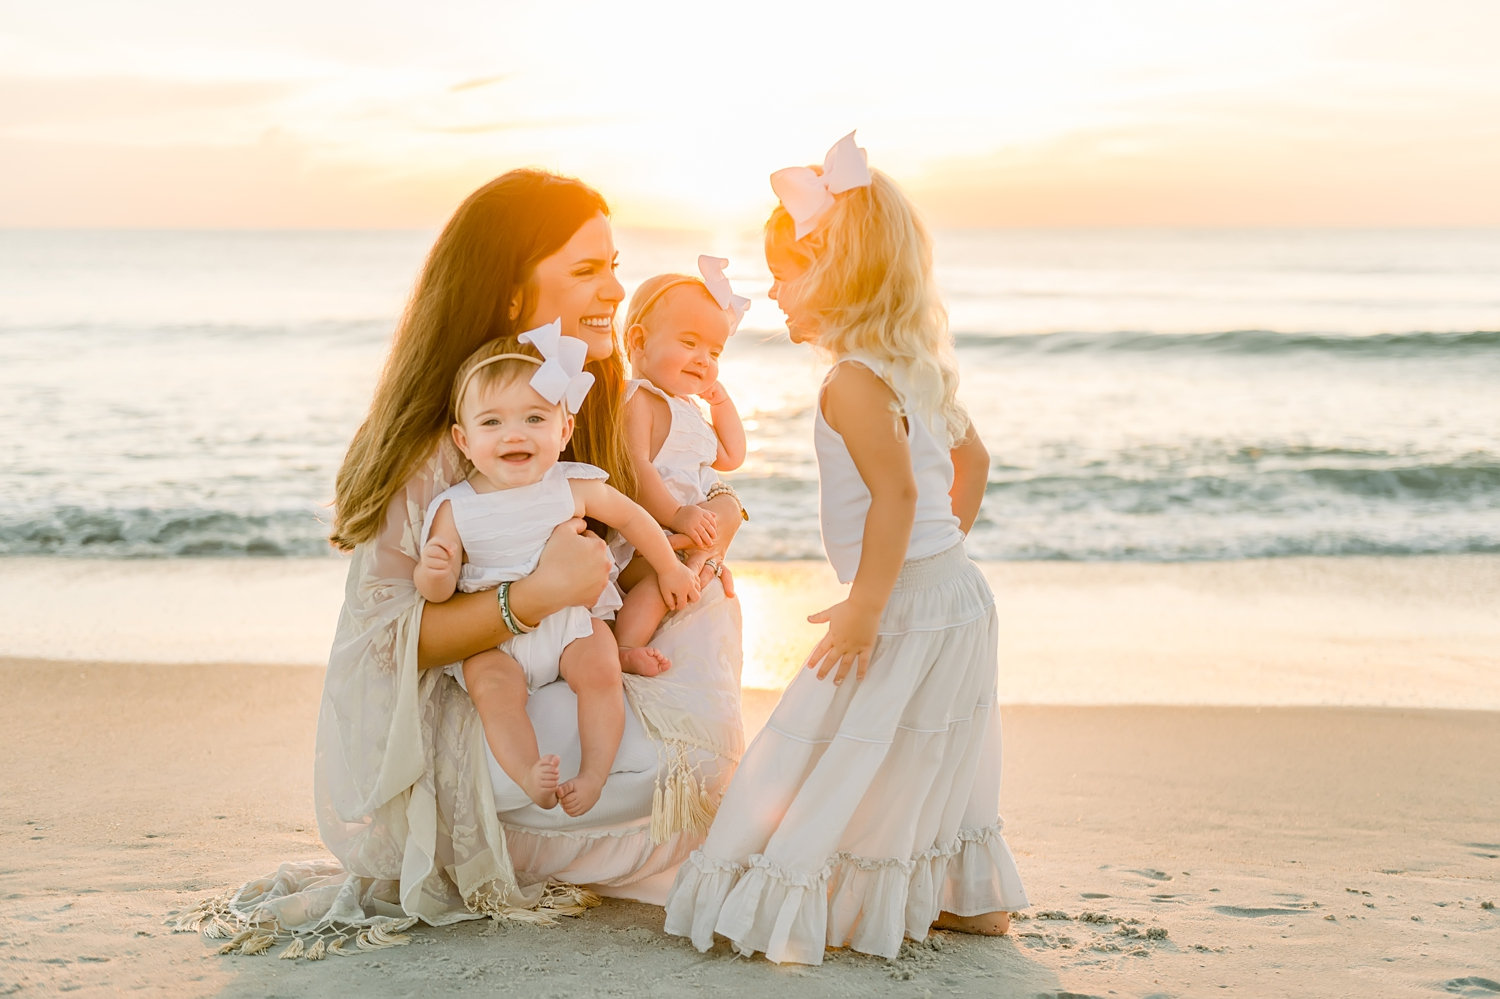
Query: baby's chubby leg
point(637, 620)
point(497, 686)
point(592, 668)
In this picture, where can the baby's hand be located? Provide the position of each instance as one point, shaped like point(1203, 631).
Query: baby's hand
point(849, 642)
point(697, 523)
point(438, 556)
point(678, 585)
point(714, 394)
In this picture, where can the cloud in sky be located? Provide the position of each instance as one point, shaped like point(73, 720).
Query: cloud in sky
point(1153, 112)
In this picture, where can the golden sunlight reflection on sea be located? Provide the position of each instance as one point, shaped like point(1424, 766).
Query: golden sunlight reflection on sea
point(775, 604)
point(1410, 632)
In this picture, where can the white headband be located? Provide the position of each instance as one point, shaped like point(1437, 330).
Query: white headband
point(808, 197)
point(712, 269)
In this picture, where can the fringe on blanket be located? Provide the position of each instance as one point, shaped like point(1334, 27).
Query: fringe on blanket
point(680, 802)
point(215, 919)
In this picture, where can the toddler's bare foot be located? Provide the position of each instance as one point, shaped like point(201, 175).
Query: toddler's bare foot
point(540, 782)
point(580, 794)
point(989, 924)
point(644, 661)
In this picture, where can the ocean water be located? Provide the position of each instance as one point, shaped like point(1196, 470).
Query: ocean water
point(1145, 394)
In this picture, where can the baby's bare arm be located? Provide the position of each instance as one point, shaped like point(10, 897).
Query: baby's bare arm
point(436, 574)
point(727, 427)
point(605, 503)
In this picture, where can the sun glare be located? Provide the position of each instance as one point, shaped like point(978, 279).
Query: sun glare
point(1017, 113)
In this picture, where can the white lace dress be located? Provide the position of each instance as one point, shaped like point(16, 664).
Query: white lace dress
point(863, 810)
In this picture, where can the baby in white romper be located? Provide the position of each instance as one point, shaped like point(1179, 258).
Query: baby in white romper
point(489, 530)
point(676, 329)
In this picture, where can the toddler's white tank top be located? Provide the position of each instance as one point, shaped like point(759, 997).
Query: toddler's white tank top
point(843, 500)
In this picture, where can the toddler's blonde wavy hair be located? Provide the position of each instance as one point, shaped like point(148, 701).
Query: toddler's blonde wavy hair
point(869, 284)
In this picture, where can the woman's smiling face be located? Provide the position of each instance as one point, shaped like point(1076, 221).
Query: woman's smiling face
point(577, 284)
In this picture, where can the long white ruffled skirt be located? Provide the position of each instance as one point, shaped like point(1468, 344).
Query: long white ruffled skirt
point(862, 810)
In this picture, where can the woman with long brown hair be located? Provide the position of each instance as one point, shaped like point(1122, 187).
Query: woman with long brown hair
point(423, 821)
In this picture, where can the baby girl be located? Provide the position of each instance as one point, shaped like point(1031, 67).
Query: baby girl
point(675, 330)
point(489, 530)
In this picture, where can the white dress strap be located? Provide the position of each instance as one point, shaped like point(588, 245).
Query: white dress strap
point(639, 383)
point(581, 470)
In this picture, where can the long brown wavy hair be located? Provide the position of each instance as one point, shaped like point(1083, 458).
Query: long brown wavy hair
point(484, 259)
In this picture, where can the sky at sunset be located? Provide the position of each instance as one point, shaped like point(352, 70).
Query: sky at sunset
point(324, 113)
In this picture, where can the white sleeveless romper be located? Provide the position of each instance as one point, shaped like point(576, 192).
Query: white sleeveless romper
point(685, 461)
point(503, 534)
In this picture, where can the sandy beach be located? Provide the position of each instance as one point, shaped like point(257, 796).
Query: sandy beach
point(1314, 844)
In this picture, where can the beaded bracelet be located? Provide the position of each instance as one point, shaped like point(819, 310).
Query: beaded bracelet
point(725, 489)
point(513, 623)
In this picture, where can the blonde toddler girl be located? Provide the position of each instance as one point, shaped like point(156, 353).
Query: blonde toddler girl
point(867, 810)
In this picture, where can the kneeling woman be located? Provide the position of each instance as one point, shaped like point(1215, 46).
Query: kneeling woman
point(422, 819)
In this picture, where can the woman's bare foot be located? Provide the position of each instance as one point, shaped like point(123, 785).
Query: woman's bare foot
point(988, 924)
point(644, 661)
point(580, 794)
point(540, 782)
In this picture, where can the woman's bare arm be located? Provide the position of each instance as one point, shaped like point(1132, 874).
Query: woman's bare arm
point(573, 571)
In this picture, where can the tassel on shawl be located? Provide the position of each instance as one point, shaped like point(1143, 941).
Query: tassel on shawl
point(214, 919)
point(679, 803)
point(558, 898)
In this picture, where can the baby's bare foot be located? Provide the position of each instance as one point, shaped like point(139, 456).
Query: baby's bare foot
point(540, 782)
point(989, 924)
point(644, 661)
point(580, 794)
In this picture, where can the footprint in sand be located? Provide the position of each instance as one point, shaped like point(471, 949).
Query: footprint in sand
point(1246, 913)
point(1153, 875)
point(1473, 986)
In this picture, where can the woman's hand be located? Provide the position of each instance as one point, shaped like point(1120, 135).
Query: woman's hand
point(849, 642)
point(573, 571)
point(707, 565)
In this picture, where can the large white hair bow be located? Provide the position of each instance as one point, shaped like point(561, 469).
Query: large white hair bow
point(561, 374)
point(712, 269)
point(808, 196)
